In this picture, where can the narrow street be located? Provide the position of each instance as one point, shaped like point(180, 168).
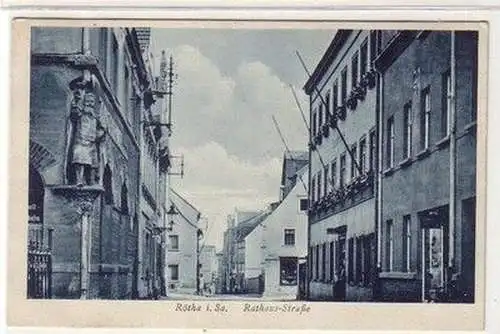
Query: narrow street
point(238, 297)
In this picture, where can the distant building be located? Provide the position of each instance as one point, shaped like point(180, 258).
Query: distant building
point(183, 245)
point(284, 237)
point(249, 240)
point(428, 119)
point(90, 89)
point(209, 266)
point(343, 102)
point(233, 257)
point(219, 284)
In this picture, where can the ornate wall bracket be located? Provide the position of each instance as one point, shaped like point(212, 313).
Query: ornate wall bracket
point(82, 195)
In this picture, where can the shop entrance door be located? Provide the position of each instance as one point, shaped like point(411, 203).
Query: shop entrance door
point(434, 249)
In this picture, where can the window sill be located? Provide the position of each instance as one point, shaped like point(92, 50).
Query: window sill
point(389, 171)
point(470, 127)
point(406, 162)
point(443, 142)
point(174, 250)
point(424, 153)
point(398, 275)
point(288, 246)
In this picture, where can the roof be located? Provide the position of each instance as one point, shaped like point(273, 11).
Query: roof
point(246, 227)
point(185, 201)
point(293, 161)
point(297, 155)
point(333, 49)
point(186, 211)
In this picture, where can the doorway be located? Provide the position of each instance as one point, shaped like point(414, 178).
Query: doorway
point(434, 259)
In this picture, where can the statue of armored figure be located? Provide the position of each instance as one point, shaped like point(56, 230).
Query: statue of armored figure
point(87, 135)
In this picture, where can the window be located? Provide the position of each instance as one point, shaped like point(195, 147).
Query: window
point(362, 155)
point(343, 86)
point(124, 200)
point(332, 260)
point(319, 186)
point(303, 204)
point(425, 114)
point(316, 262)
point(335, 96)
point(320, 116)
point(367, 258)
point(310, 263)
point(407, 130)
point(174, 272)
point(325, 173)
point(289, 237)
point(342, 170)
point(327, 106)
point(313, 190)
point(114, 64)
point(390, 143)
point(446, 104)
point(350, 260)
point(108, 185)
point(334, 174)
point(313, 126)
point(354, 70)
point(389, 245)
point(288, 271)
point(406, 242)
point(373, 44)
point(173, 242)
point(373, 150)
point(126, 92)
point(359, 259)
point(323, 262)
point(364, 57)
point(354, 156)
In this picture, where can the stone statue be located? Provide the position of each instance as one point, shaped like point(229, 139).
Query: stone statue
point(88, 133)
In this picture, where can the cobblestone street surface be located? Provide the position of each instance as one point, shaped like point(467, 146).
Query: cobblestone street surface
point(239, 297)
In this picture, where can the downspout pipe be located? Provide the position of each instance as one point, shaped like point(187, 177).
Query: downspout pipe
point(309, 203)
point(379, 201)
point(452, 157)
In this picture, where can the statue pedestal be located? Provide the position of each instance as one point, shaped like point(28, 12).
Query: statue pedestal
point(84, 197)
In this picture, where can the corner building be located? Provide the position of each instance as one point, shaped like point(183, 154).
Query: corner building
point(342, 155)
point(428, 158)
point(89, 88)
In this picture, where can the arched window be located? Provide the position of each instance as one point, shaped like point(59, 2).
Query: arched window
point(124, 199)
point(108, 185)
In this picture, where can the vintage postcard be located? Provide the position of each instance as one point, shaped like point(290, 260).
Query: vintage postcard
point(245, 174)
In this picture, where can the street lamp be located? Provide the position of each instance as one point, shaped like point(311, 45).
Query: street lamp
point(170, 213)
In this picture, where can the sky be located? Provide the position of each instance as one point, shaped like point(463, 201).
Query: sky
point(230, 83)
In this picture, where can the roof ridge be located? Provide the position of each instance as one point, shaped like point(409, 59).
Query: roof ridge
point(185, 200)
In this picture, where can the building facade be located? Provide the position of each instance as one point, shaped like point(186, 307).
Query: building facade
point(209, 267)
point(154, 177)
point(250, 237)
point(234, 251)
point(343, 104)
point(284, 240)
point(428, 118)
point(183, 245)
point(90, 89)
